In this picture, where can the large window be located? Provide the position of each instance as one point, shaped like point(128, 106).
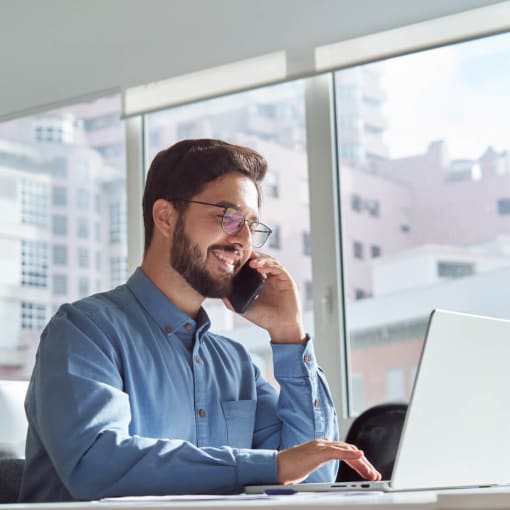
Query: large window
point(50, 167)
point(424, 168)
point(424, 187)
point(271, 121)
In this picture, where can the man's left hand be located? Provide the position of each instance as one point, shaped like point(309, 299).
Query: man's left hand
point(277, 308)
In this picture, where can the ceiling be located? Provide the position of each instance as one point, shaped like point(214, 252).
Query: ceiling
point(56, 51)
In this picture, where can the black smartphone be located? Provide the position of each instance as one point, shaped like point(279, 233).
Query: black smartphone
point(246, 285)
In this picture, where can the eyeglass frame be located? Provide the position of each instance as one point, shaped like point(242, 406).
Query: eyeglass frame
point(225, 209)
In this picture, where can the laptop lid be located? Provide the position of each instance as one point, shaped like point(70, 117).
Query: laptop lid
point(456, 432)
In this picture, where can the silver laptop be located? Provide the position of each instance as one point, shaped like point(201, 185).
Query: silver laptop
point(457, 428)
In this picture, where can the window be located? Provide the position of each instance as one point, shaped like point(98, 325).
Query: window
point(59, 284)
point(83, 257)
point(59, 225)
point(59, 255)
point(359, 294)
point(372, 206)
point(59, 196)
point(307, 244)
point(274, 239)
point(271, 185)
point(59, 167)
point(33, 316)
point(118, 270)
point(118, 225)
point(455, 269)
point(83, 228)
point(434, 182)
point(356, 203)
point(34, 202)
point(83, 287)
point(375, 251)
point(83, 199)
point(34, 263)
point(50, 168)
point(504, 206)
point(308, 293)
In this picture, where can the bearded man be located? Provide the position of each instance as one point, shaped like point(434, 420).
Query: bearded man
point(132, 394)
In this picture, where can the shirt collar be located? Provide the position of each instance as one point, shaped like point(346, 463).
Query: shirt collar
point(167, 316)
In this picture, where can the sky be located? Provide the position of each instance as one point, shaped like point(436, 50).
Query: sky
point(458, 93)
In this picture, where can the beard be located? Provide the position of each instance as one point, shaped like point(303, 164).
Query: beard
point(185, 258)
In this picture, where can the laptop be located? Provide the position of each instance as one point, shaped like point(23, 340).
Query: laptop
point(457, 428)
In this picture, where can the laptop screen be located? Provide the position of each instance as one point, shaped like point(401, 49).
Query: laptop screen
point(456, 431)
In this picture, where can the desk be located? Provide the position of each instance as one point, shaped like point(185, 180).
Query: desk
point(472, 499)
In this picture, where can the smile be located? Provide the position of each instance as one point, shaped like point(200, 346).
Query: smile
point(227, 259)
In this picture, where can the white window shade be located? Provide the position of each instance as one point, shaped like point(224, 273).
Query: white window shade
point(216, 81)
point(418, 36)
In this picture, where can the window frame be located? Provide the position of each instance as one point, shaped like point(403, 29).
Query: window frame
point(330, 319)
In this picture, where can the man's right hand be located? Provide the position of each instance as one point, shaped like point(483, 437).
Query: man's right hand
point(296, 463)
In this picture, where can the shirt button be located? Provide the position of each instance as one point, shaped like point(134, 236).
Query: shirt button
point(188, 327)
point(201, 413)
point(307, 358)
point(317, 403)
point(168, 329)
point(197, 359)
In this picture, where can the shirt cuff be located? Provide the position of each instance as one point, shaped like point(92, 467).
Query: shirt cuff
point(294, 360)
point(256, 467)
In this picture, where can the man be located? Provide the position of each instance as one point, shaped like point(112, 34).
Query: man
point(131, 393)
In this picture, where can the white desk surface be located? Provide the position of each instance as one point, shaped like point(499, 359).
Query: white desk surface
point(472, 499)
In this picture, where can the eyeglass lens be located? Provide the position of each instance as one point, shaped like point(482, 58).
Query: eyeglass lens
point(233, 222)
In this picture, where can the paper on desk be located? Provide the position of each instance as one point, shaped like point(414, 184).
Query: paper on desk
point(184, 497)
point(235, 497)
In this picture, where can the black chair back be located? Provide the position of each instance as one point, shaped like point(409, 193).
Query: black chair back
point(376, 431)
point(11, 471)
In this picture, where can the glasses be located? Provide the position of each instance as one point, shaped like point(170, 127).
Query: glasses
point(232, 222)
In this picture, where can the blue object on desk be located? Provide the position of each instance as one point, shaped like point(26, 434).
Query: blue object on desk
point(284, 491)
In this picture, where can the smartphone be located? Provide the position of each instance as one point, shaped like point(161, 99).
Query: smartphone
point(246, 285)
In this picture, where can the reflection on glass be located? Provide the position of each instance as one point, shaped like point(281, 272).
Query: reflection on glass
point(62, 181)
point(270, 120)
point(425, 187)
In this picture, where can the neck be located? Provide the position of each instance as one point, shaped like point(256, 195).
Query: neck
point(172, 284)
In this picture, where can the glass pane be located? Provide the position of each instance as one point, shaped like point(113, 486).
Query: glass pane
point(425, 202)
point(271, 121)
point(62, 193)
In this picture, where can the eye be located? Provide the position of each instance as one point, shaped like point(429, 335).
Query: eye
point(232, 222)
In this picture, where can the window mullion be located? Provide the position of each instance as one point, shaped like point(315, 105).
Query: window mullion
point(328, 298)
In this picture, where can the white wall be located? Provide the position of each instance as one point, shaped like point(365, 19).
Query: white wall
point(57, 50)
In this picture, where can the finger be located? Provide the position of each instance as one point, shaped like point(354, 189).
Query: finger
point(269, 266)
point(364, 468)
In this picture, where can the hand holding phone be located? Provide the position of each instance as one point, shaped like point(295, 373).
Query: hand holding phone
point(246, 286)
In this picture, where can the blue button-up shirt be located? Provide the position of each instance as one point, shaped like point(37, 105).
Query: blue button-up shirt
point(130, 396)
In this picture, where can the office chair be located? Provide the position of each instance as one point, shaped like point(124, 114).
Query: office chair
point(11, 471)
point(376, 431)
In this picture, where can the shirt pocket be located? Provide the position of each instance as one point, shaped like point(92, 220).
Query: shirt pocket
point(240, 421)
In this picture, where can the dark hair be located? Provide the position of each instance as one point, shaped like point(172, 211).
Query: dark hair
point(184, 169)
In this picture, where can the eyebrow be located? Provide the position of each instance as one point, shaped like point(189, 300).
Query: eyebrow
point(226, 203)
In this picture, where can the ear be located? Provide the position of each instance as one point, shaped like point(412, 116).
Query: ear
point(163, 215)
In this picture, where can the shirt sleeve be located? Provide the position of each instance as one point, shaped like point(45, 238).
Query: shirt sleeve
point(304, 409)
point(77, 394)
